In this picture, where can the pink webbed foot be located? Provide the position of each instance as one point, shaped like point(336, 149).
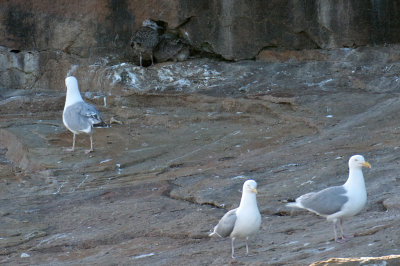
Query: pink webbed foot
point(341, 240)
point(347, 237)
point(344, 238)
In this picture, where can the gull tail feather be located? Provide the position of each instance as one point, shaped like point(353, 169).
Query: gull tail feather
point(101, 125)
point(294, 205)
point(214, 233)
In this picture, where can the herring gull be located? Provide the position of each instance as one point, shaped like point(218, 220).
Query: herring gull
point(243, 221)
point(79, 116)
point(338, 202)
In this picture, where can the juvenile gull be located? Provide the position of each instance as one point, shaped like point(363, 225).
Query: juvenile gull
point(145, 39)
point(171, 48)
point(338, 202)
point(243, 221)
point(78, 116)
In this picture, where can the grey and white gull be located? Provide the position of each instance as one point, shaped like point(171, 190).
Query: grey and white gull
point(79, 116)
point(243, 221)
point(338, 202)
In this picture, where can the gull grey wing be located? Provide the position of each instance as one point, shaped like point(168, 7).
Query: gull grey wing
point(325, 202)
point(225, 226)
point(73, 118)
point(90, 111)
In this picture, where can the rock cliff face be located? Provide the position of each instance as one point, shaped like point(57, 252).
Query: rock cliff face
point(234, 29)
point(57, 34)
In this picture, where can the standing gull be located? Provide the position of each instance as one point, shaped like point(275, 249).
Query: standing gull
point(78, 116)
point(338, 202)
point(243, 221)
point(145, 39)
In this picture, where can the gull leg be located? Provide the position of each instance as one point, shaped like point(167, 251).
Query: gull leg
point(140, 58)
point(73, 144)
point(91, 144)
point(233, 248)
point(247, 247)
point(152, 60)
point(344, 237)
point(334, 230)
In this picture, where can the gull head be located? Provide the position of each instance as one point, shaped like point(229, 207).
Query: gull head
point(358, 161)
point(71, 82)
point(250, 186)
point(73, 94)
point(151, 24)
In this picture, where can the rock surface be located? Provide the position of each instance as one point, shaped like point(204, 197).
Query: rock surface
point(191, 133)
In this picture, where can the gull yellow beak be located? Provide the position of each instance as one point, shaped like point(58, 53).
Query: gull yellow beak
point(254, 190)
point(366, 164)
